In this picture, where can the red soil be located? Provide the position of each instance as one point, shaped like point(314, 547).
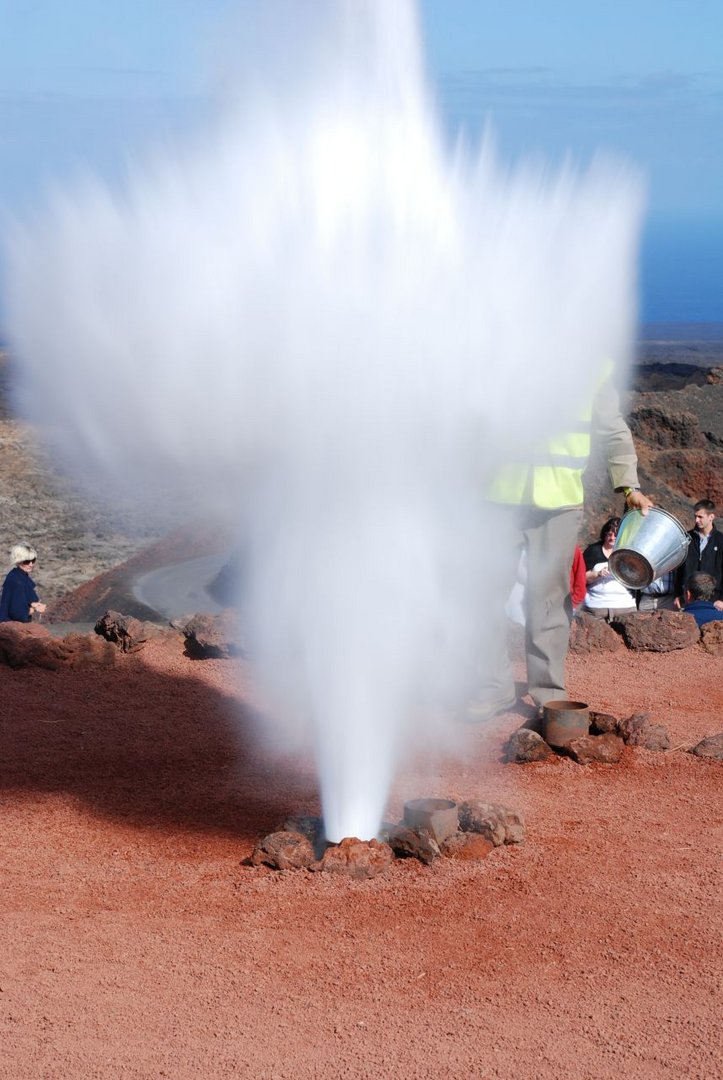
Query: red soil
point(134, 944)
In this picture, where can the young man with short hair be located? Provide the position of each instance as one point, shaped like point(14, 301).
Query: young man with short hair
point(705, 553)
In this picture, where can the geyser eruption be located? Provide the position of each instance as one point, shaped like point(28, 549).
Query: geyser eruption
point(316, 320)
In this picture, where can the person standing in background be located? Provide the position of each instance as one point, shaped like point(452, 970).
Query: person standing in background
point(705, 554)
point(19, 600)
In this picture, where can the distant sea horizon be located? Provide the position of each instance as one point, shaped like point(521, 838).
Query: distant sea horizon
point(661, 331)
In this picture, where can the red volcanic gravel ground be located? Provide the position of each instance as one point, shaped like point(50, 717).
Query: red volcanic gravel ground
point(134, 944)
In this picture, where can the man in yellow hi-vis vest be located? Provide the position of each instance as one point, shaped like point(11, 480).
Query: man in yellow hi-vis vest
point(544, 497)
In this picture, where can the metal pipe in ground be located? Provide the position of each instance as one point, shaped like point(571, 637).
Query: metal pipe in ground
point(563, 721)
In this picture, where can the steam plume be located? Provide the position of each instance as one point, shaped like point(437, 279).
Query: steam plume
point(318, 321)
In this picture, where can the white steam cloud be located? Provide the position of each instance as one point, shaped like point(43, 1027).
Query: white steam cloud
point(317, 321)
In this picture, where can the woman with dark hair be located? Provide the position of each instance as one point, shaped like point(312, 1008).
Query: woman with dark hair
point(19, 599)
point(606, 597)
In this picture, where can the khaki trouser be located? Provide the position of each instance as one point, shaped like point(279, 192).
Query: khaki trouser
point(549, 538)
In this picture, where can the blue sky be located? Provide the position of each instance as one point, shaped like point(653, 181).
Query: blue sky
point(86, 81)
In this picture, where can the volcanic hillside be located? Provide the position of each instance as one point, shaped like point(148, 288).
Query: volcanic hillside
point(675, 410)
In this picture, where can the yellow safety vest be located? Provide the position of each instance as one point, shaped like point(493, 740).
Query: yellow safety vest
point(550, 479)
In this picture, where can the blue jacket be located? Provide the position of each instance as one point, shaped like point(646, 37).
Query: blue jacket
point(17, 596)
point(709, 562)
point(703, 611)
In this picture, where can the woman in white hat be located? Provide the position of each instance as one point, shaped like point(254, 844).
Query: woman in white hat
point(19, 599)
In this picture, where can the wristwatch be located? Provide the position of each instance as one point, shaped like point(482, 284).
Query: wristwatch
point(627, 490)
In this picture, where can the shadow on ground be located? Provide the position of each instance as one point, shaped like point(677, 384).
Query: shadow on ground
point(135, 744)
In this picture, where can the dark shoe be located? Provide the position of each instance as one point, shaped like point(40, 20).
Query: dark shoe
point(529, 712)
point(531, 716)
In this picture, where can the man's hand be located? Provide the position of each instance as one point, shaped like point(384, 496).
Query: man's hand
point(635, 500)
point(718, 605)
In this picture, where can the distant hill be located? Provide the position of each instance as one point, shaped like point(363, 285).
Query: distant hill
point(674, 406)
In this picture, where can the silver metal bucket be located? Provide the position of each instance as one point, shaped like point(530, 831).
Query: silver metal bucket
point(647, 546)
